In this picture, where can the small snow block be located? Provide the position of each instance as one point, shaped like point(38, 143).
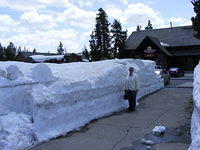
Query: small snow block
point(147, 142)
point(42, 73)
point(158, 130)
point(13, 72)
point(148, 147)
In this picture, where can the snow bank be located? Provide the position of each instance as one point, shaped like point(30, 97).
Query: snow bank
point(195, 125)
point(64, 97)
point(158, 130)
point(16, 132)
point(42, 58)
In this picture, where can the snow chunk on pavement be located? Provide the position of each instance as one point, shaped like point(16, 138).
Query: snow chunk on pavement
point(158, 130)
point(42, 73)
point(147, 142)
point(13, 72)
point(16, 132)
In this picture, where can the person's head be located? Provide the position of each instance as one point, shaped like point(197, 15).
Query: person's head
point(131, 70)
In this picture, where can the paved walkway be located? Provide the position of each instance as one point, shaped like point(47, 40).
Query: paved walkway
point(166, 107)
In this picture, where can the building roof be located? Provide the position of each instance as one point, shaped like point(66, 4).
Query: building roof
point(158, 43)
point(28, 54)
point(182, 53)
point(174, 37)
point(43, 58)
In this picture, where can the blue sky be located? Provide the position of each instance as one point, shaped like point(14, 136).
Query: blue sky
point(41, 24)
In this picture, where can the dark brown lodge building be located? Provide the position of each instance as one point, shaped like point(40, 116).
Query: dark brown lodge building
point(169, 47)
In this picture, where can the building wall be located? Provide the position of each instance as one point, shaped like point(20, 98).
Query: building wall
point(186, 62)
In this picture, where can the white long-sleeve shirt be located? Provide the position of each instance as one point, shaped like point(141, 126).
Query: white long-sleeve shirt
point(132, 82)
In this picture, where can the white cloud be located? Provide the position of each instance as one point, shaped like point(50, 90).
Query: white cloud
point(125, 2)
point(176, 21)
point(139, 14)
point(115, 12)
point(24, 5)
point(7, 23)
point(135, 14)
point(6, 20)
point(77, 17)
point(84, 3)
point(37, 20)
point(46, 40)
point(180, 21)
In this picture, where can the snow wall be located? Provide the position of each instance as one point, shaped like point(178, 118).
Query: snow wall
point(63, 97)
point(195, 124)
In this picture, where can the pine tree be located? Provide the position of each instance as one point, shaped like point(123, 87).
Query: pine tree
point(196, 19)
point(149, 26)
point(60, 49)
point(118, 37)
point(34, 50)
point(138, 28)
point(95, 54)
point(1, 52)
point(10, 51)
point(19, 49)
point(86, 53)
point(102, 34)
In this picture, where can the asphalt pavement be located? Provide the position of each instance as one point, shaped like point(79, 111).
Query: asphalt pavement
point(170, 107)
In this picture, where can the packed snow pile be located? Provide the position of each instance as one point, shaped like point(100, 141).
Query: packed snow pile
point(16, 131)
point(13, 72)
point(63, 97)
point(195, 125)
point(147, 142)
point(42, 58)
point(42, 73)
point(158, 130)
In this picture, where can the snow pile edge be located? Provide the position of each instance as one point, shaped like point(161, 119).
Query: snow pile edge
point(195, 121)
point(63, 97)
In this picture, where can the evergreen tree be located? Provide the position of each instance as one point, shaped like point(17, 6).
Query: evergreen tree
point(60, 49)
point(95, 54)
point(101, 34)
point(65, 50)
point(118, 37)
point(34, 50)
point(149, 26)
point(138, 28)
point(86, 53)
point(19, 49)
point(196, 19)
point(1, 52)
point(10, 51)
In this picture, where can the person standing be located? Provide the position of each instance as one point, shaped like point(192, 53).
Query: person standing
point(132, 86)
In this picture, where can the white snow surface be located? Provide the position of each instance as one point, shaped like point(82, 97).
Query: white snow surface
point(158, 130)
point(16, 131)
point(147, 142)
point(195, 122)
point(43, 58)
point(164, 44)
point(72, 94)
point(42, 73)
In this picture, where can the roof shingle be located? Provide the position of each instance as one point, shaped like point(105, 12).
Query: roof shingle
point(176, 36)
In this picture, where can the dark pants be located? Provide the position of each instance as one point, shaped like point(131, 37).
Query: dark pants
point(132, 99)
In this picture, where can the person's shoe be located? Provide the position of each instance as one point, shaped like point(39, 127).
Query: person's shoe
point(131, 109)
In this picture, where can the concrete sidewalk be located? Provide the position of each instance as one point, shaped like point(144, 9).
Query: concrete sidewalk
point(166, 107)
